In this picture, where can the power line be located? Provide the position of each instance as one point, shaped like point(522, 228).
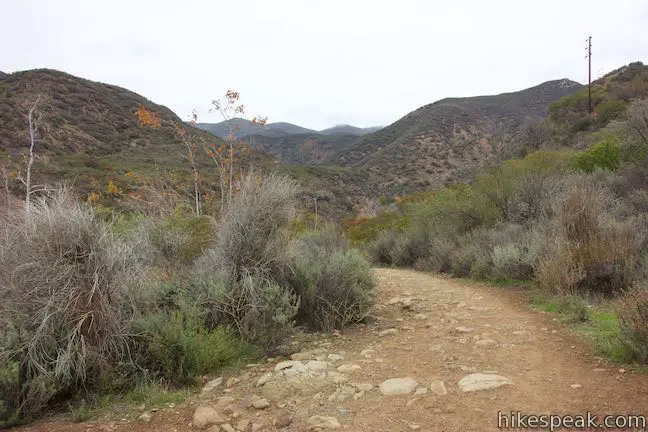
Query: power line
point(589, 73)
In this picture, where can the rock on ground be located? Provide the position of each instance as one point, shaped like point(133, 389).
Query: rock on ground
point(481, 381)
point(397, 386)
point(211, 385)
point(323, 422)
point(438, 388)
point(206, 416)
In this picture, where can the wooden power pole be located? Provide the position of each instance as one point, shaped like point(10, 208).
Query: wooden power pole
point(589, 74)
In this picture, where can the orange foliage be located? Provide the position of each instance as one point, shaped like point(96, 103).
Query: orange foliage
point(147, 117)
point(113, 189)
point(93, 197)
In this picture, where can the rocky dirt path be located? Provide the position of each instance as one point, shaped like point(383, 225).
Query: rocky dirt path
point(443, 355)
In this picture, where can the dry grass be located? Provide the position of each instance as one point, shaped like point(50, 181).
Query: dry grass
point(632, 309)
point(66, 305)
point(589, 250)
point(250, 236)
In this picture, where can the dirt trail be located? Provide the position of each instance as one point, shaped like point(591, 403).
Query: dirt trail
point(443, 330)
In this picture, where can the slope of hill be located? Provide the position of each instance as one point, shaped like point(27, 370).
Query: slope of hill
point(346, 129)
point(89, 134)
point(79, 116)
point(289, 142)
point(610, 96)
point(448, 140)
point(312, 148)
point(3, 75)
point(244, 128)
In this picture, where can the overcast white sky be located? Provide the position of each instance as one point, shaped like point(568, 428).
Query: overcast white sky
point(363, 62)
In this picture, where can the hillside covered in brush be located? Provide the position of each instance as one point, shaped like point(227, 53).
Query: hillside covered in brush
point(611, 94)
point(450, 139)
point(89, 134)
point(289, 142)
point(308, 149)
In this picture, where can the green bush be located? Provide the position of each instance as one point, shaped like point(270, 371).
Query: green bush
point(437, 256)
point(609, 110)
point(176, 240)
point(380, 250)
point(472, 253)
point(605, 155)
point(574, 307)
point(335, 285)
point(259, 310)
point(509, 261)
point(176, 346)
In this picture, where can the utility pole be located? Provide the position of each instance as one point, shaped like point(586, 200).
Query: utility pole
point(589, 73)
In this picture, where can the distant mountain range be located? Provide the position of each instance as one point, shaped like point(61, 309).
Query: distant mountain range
point(244, 128)
point(90, 134)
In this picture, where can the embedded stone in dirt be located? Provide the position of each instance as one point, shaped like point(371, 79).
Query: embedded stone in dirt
point(485, 342)
point(481, 381)
point(341, 394)
point(397, 386)
point(211, 386)
point(395, 300)
point(346, 368)
point(308, 355)
point(335, 357)
point(243, 425)
point(323, 422)
point(438, 388)
point(264, 379)
point(316, 365)
point(479, 308)
point(231, 382)
point(420, 317)
point(364, 387)
point(464, 329)
point(336, 377)
point(282, 420)
point(420, 391)
point(260, 403)
point(290, 364)
point(367, 353)
point(206, 416)
point(227, 428)
point(388, 332)
point(224, 401)
point(146, 417)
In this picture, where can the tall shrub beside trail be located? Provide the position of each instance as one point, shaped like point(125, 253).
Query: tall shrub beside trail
point(66, 305)
point(242, 279)
point(334, 283)
point(632, 309)
point(589, 250)
point(250, 236)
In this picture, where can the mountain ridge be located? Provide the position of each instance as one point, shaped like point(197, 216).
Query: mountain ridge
point(244, 128)
point(449, 139)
